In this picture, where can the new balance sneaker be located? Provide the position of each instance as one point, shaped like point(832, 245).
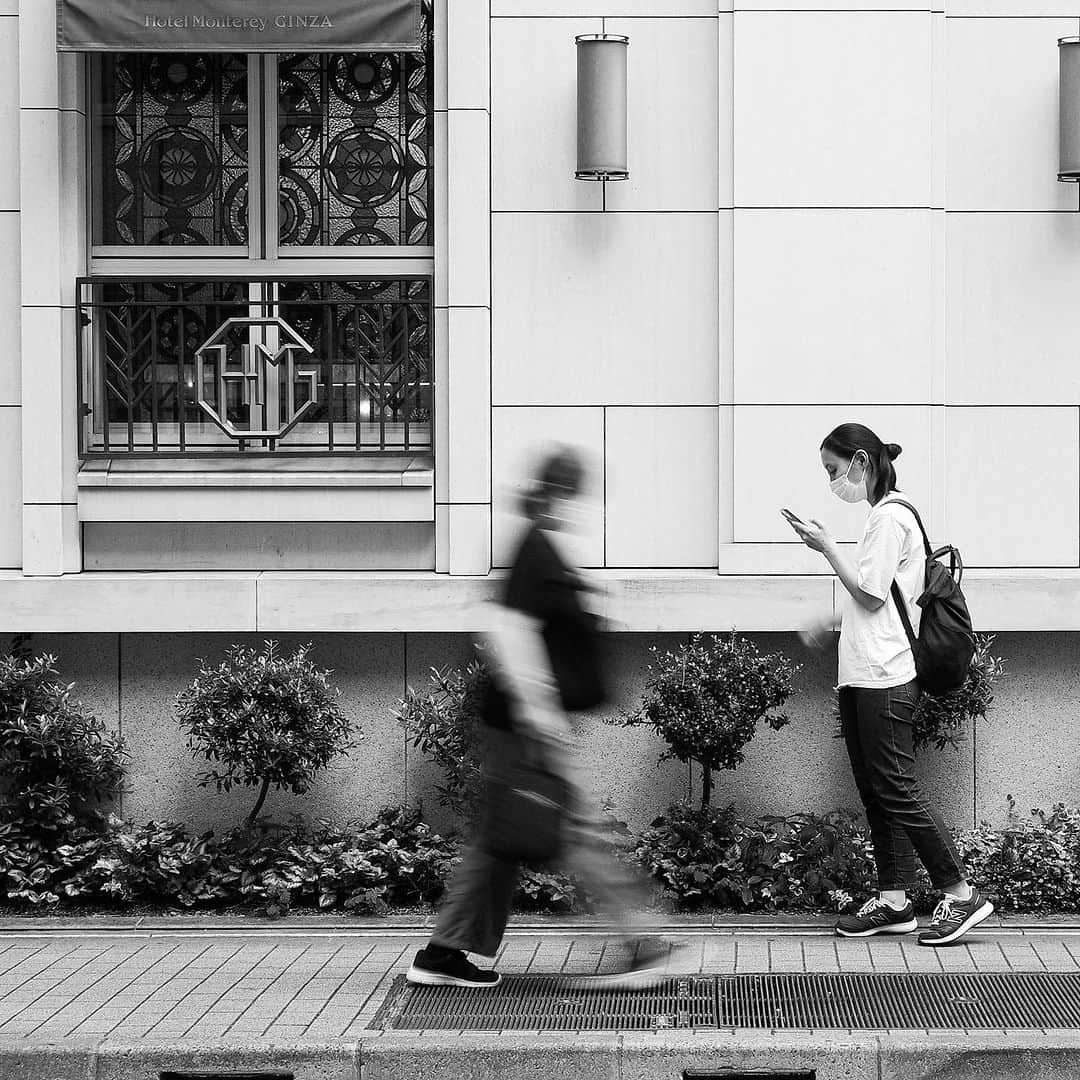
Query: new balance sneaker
point(953, 918)
point(448, 968)
point(877, 917)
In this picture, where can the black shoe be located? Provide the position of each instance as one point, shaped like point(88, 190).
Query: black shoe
point(453, 969)
point(877, 917)
point(954, 918)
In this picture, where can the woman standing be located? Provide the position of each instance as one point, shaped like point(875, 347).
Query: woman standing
point(544, 651)
point(878, 693)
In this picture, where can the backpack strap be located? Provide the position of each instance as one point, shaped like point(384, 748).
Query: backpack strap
point(922, 528)
point(897, 596)
point(898, 599)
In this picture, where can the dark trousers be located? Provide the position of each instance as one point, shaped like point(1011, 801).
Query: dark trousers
point(480, 895)
point(878, 730)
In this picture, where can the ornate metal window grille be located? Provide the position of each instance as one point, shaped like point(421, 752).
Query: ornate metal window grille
point(173, 146)
point(355, 146)
point(366, 344)
point(353, 135)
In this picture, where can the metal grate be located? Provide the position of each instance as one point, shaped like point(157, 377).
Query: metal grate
point(853, 1001)
point(550, 1003)
point(938, 1000)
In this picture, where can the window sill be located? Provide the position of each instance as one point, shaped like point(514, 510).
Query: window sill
point(257, 489)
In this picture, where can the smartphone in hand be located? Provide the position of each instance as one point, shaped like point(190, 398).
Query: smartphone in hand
point(792, 517)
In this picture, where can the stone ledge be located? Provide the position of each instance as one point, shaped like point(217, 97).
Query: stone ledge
point(369, 602)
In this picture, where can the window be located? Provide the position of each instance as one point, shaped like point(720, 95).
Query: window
point(261, 255)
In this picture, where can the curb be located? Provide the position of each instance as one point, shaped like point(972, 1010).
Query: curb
point(840, 1055)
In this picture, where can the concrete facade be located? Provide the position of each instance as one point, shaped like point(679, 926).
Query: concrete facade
point(833, 214)
point(1024, 749)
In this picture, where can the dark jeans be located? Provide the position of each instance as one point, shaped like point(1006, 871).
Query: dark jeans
point(878, 731)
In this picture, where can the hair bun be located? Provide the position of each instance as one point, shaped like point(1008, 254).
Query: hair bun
point(894, 450)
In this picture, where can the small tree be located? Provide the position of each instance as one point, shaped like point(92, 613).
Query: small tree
point(57, 761)
point(264, 720)
point(707, 698)
point(445, 725)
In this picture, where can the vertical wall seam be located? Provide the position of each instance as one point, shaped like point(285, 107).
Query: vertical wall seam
point(491, 295)
point(603, 483)
point(120, 699)
point(404, 693)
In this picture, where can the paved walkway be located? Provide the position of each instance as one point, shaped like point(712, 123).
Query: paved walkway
point(246, 982)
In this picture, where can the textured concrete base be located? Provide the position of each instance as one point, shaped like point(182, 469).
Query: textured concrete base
point(524, 1056)
point(143, 1061)
point(664, 1056)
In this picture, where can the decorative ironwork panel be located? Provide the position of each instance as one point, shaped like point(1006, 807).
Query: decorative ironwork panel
point(374, 341)
point(228, 366)
point(173, 149)
point(355, 144)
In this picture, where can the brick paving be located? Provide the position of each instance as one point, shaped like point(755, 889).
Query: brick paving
point(228, 984)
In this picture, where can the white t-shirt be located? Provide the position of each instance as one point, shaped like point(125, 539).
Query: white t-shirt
point(874, 649)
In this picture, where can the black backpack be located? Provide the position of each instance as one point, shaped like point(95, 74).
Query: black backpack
point(946, 641)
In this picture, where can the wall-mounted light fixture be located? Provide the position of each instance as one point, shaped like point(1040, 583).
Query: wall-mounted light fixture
point(1069, 109)
point(601, 107)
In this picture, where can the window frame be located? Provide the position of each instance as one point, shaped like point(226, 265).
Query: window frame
point(263, 258)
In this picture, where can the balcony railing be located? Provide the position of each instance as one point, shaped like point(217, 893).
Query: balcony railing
point(243, 365)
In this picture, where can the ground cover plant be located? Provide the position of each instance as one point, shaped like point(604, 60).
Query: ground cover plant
point(701, 858)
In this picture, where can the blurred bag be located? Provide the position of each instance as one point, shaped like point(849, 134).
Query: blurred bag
point(524, 811)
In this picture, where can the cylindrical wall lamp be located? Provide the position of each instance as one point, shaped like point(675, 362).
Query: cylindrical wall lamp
point(1069, 109)
point(601, 107)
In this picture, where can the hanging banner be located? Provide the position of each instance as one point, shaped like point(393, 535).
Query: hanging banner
point(238, 25)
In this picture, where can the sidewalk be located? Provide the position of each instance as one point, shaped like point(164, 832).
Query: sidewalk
point(125, 999)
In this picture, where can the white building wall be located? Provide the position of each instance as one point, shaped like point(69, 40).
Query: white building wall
point(605, 304)
point(832, 214)
point(875, 233)
point(10, 374)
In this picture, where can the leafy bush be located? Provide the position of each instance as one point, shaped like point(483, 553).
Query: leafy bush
point(707, 698)
point(943, 720)
point(542, 889)
point(717, 857)
point(1032, 865)
point(394, 860)
point(57, 761)
point(446, 726)
point(264, 720)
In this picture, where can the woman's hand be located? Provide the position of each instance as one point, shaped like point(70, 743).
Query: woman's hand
point(814, 535)
point(817, 635)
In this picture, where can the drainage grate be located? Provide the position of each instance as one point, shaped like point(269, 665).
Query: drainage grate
point(859, 1001)
point(938, 1000)
point(550, 1003)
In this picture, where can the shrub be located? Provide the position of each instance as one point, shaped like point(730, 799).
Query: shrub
point(1031, 865)
point(707, 698)
point(394, 860)
point(264, 720)
point(768, 864)
point(943, 720)
point(57, 761)
point(446, 726)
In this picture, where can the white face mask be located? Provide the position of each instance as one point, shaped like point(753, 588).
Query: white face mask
point(850, 491)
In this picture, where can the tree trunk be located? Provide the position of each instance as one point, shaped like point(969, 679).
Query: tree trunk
point(706, 786)
point(258, 805)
